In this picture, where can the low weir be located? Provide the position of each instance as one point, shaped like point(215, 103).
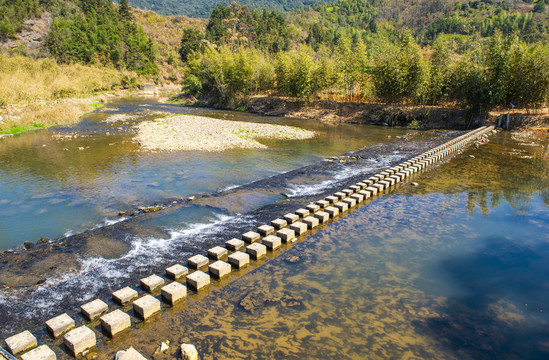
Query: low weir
point(138, 305)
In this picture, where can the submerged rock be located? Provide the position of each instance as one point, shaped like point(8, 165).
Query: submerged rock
point(189, 352)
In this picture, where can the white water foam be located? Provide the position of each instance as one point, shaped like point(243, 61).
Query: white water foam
point(339, 176)
point(97, 273)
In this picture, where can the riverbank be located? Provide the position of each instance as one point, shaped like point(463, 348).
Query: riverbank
point(187, 132)
point(420, 117)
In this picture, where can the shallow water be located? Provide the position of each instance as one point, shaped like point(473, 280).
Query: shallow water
point(62, 181)
point(452, 269)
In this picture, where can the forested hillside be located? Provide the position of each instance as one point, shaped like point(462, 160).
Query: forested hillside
point(203, 8)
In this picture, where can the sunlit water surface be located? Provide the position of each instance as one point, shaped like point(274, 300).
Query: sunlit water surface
point(62, 181)
point(455, 268)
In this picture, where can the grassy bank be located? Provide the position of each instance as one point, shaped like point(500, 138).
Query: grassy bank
point(37, 92)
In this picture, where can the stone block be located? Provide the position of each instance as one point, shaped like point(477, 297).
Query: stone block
point(151, 283)
point(286, 235)
point(291, 218)
point(350, 202)
point(173, 293)
point(386, 184)
point(368, 182)
point(130, 354)
point(79, 340)
point(311, 222)
point(332, 211)
point(395, 178)
point(302, 213)
point(313, 208)
point(365, 193)
point(340, 195)
point(234, 245)
point(322, 203)
point(115, 322)
point(239, 259)
point(124, 296)
point(198, 261)
point(341, 206)
point(40, 353)
point(189, 352)
point(176, 272)
point(361, 185)
point(146, 306)
point(279, 223)
point(379, 187)
point(331, 199)
point(251, 237)
point(218, 253)
point(59, 325)
point(21, 342)
point(266, 230)
point(220, 269)
point(94, 309)
point(256, 251)
point(355, 188)
point(322, 216)
point(358, 198)
point(348, 192)
point(299, 228)
point(198, 280)
point(373, 190)
point(272, 242)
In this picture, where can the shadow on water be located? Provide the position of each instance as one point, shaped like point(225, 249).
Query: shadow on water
point(501, 313)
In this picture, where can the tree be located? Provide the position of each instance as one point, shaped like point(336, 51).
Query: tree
point(190, 42)
point(124, 10)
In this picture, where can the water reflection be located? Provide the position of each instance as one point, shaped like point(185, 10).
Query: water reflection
point(452, 269)
point(74, 178)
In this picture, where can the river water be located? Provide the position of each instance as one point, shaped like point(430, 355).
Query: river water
point(454, 268)
point(63, 181)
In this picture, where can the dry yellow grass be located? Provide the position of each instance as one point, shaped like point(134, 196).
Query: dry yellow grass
point(26, 80)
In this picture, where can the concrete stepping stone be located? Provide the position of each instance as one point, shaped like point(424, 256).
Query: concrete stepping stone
point(302, 213)
point(79, 340)
point(198, 261)
point(340, 195)
point(220, 269)
point(279, 223)
point(130, 354)
point(299, 228)
point(177, 272)
point(251, 237)
point(322, 203)
point(256, 251)
point(291, 218)
point(358, 198)
point(151, 283)
point(266, 230)
point(239, 259)
point(341, 206)
point(146, 306)
point(198, 280)
point(59, 325)
point(124, 296)
point(313, 208)
point(218, 253)
point(332, 211)
point(174, 293)
point(115, 322)
point(40, 353)
point(286, 235)
point(272, 242)
point(234, 244)
point(350, 202)
point(331, 199)
point(322, 216)
point(94, 309)
point(21, 342)
point(311, 222)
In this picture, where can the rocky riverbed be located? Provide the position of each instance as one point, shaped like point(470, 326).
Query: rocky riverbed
point(187, 132)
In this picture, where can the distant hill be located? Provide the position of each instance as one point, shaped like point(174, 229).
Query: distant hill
point(203, 8)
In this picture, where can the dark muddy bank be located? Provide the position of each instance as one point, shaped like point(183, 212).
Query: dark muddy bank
point(423, 117)
point(50, 279)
